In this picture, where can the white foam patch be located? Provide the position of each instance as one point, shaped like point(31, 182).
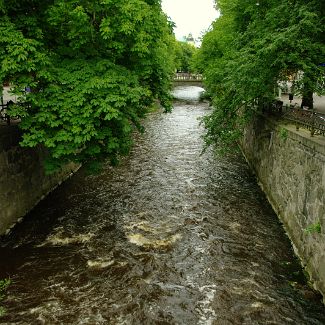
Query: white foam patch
point(160, 234)
point(235, 226)
point(257, 304)
point(59, 238)
point(207, 314)
point(99, 264)
point(140, 240)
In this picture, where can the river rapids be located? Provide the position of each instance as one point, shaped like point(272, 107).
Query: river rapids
point(170, 236)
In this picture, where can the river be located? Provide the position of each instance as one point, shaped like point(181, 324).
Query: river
point(170, 236)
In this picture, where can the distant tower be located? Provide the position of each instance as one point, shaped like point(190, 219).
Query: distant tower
point(190, 39)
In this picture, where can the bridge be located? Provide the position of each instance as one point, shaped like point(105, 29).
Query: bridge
point(185, 78)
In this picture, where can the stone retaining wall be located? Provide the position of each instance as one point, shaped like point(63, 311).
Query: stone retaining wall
point(23, 182)
point(290, 166)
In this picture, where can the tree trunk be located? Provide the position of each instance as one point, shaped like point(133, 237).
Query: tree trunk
point(309, 83)
point(307, 99)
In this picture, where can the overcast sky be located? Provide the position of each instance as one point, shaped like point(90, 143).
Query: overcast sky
point(190, 16)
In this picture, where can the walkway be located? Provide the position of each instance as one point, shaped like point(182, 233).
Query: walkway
point(319, 102)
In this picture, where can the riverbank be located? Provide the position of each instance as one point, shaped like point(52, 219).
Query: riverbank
point(23, 182)
point(290, 166)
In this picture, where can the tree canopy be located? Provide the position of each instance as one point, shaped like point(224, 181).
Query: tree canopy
point(93, 68)
point(251, 48)
point(184, 56)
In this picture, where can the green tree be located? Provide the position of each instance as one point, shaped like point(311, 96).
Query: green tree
point(184, 55)
point(3, 287)
point(94, 67)
point(253, 46)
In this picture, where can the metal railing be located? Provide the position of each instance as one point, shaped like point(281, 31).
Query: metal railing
point(302, 118)
point(308, 119)
point(4, 116)
point(3, 113)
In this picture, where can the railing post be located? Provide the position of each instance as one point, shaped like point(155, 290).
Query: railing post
point(297, 125)
point(312, 130)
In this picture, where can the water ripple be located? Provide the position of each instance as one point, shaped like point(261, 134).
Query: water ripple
point(170, 236)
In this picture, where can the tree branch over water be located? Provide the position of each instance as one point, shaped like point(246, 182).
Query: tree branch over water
point(251, 48)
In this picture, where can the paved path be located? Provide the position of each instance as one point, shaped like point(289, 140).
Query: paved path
point(319, 102)
point(7, 96)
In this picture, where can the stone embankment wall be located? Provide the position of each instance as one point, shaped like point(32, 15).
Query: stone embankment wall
point(23, 182)
point(290, 166)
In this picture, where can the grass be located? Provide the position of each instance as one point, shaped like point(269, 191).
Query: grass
point(3, 287)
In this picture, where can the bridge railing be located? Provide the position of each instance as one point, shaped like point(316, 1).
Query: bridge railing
point(183, 76)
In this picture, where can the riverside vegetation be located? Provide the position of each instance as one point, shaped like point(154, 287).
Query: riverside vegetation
point(3, 287)
point(252, 47)
point(92, 68)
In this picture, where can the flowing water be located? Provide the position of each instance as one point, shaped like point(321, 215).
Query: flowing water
point(169, 236)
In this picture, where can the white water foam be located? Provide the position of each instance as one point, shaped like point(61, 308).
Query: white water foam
point(207, 314)
point(60, 238)
point(99, 264)
point(140, 240)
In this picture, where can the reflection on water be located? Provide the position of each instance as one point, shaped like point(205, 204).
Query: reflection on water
point(190, 93)
point(170, 236)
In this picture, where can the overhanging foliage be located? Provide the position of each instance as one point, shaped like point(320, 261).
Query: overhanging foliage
point(251, 48)
point(93, 67)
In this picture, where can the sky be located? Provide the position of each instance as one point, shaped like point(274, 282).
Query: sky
point(190, 16)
